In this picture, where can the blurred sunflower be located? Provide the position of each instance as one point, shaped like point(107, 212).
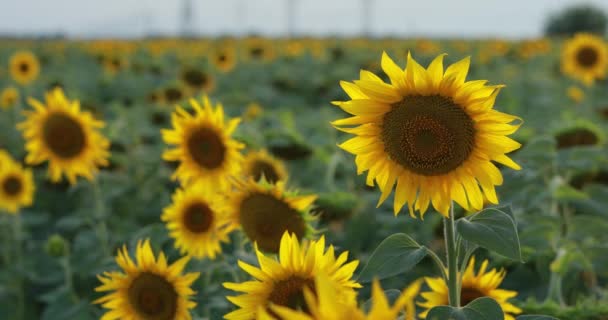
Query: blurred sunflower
point(282, 282)
point(16, 185)
point(65, 136)
point(24, 67)
point(172, 95)
point(223, 58)
point(482, 284)
point(575, 94)
point(148, 289)
point(253, 111)
point(198, 221)
point(325, 307)
point(430, 133)
point(197, 80)
point(258, 164)
point(9, 97)
point(266, 211)
point(585, 57)
point(204, 146)
point(258, 49)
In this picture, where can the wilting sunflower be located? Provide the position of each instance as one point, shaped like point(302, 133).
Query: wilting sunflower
point(223, 58)
point(198, 80)
point(482, 284)
point(266, 211)
point(198, 221)
point(258, 164)
point(282, 282)
point(9, 97)
point(585, 57)
point(16, 185)
point(65, 136)
point(325, 307)
point(204, 146)
point(430, 133)
point(148, 289)
point(24, 67)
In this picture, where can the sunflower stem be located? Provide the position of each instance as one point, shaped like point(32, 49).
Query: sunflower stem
point(67, 273)
point(452, 258)
point(438, 262)
point(100, 229)
point(19, 263)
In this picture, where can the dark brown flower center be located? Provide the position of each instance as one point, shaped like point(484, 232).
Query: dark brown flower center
point(587, 57)
point(173, 94)
point(222, 57)
point(24, 67)
point(576, 137)
point(290, 293)
point(63, 135)
point(206, 148)
point(256, 52)
point(195, 78)
point(429, 135)
point(153, 297)
point(12, 186)
point(264, 169)
point(265, 218)
point(198, 217)
point(467, 295)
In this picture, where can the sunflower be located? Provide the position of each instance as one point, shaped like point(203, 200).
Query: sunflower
point(223, 58)
point(585, 57)
point(430, 133)
point(484, 284)
point(258, 164)
point(266, 211)
point(325, 307)
point(172, 94)
point(65, 136)
point(24, 67)
point(197, 80)
point(282, 282)
point(198, 221)
point(204, 145)
point(575, 94)
point(148, 289)
point(16, 185)
point(9, 97)
point(258, 49)
point(253, 111)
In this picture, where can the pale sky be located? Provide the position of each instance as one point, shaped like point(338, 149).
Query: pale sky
point(135, 18)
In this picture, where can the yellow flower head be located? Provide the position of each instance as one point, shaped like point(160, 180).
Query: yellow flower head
point(585, 57)
point(16, 185)
point(575, 94)
point(430, 133)
point(203, 145)
point(223, 58)
point(258, 164)
point(283, 282)
point(58, 131)
point(198, 221)
point(9, 97)
point(24, 67)
point(483, 284)
point(148, 289)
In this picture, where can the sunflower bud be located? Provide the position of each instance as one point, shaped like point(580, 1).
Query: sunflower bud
point(56, 246)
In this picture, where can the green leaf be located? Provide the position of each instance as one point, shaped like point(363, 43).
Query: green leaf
point(493, 230)
point(479, 309)
point(396, 254)
point(536, 317)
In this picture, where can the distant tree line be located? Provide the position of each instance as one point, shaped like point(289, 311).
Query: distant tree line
point(578, 18)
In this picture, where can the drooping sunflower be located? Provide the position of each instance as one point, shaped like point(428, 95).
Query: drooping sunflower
point(258, 164)
point(204, 146)
point(266, 211)
point(325, 307)
point(147, 289)
point(67, 137)
point(282, 282)
point(483, 284)
point(430, 132)
point(9, 97)
point(585, 57)
point(198, 221)
point(24, 67)
point(197, 80)
point(16, 185)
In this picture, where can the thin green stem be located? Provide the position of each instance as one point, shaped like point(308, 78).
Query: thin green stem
point(438, 262)
point(19, 263)
point(100, 228)
point(68, 275)
point(452, 258)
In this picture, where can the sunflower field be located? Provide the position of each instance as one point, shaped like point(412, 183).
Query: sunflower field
point(308, 178)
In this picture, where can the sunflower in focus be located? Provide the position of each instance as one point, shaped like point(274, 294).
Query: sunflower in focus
point(430, 133)
point(198, 221)
point(203, 145)
point(266, 211)
point(585, 57)
point(223, 58)
point(148, 289)
point(283, 282)
point(325, 307)
point(483, 284)
point(258, 164)
point(9, 97)
point(16, 185)
point(24, 67)
point(58, 131)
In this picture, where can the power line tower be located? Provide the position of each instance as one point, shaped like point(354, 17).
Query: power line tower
point(187, 19)
point(366, 17)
